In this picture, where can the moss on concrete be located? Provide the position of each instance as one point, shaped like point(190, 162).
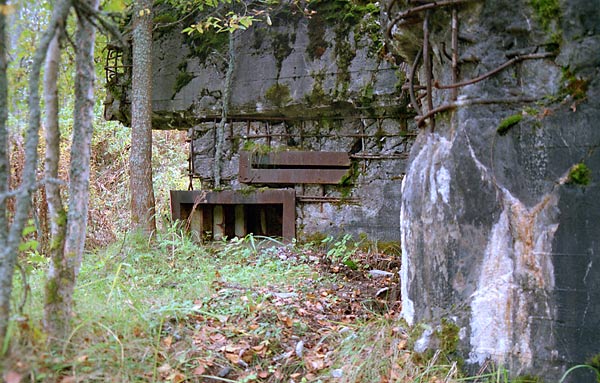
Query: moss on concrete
point(318, 96)
point(183, 78)
point(278, 95)
point(547, 11)
point(506, 124)
point(281, 48)
point(203, 45)
point(317, 45)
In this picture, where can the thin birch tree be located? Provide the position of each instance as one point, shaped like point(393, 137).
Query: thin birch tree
point(68, 226)
point(140, 161)
point(10, 240)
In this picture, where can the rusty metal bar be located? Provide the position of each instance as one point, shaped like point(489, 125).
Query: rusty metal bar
point(326, 199)
point(296, 167)
point(295, 176)
point(368, 156)
point(301, 158)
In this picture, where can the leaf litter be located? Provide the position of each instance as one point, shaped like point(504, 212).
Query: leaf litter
point(281, 333)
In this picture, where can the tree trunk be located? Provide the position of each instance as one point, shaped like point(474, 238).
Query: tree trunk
point(61, 285)
point(52, 318)
point(140, 162)
point(224, 111)
point(4, 168)
point(8, 252)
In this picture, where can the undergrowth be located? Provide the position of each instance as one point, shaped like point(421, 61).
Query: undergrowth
point(127, 294)
point(251, 309)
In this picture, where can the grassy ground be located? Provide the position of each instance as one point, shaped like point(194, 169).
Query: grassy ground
point(242, 311)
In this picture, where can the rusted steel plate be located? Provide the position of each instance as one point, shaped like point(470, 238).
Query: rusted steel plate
point(294, 176)
point(293, 167)
point(300, 159)
point(285, 197)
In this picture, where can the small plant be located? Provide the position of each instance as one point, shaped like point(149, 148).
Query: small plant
point(342, 251)
point(527, 379)
point(580, 174)
point(183, 78)
point(278, 95)
point(578, 367)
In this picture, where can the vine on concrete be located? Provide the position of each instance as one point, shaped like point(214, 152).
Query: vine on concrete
point(408, 17)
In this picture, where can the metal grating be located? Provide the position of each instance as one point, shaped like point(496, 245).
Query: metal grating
point(231, 212)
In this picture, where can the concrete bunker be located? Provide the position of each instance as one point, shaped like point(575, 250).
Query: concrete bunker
point(333, 128)
point(343, 176)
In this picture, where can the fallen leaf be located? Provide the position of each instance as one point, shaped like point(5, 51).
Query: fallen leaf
point(314, 364)
point(168, 341)
point(165, 369)
point(138, 332)
point(200, 370)
point(289, 322)
point(176, 377)
point(12, 377)
point(232, 357)
point(253, 326)
point(263, 374)
point(402, 344)
point(82, 359)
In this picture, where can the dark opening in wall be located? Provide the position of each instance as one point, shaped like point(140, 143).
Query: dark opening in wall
point(214, 215)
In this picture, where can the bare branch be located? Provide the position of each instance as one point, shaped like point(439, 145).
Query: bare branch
point(13, 193)
point(99, 20)
point(510, 62)
point(411, 82)
point(443, 108)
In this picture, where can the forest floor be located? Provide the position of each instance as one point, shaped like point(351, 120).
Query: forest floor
point(295, 331)
point(248, 310)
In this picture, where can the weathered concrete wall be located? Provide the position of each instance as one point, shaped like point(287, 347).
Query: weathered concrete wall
point(369, 204)
point(300, 66)
point(320, 82)
point(497, 233)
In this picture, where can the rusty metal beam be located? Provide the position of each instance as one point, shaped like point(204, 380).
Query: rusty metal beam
point(301, 159)
point(295, 167)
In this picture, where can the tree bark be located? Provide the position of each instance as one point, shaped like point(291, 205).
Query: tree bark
point(8, 252)
point(4, 168)
point(61, 285)
point(57, 214)
point(140, 161)
point(224, 111)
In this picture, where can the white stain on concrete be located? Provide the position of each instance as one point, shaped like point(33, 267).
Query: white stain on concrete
point(426, 173)
point(516, 278)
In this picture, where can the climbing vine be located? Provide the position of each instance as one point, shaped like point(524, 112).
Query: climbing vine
point(403, 22)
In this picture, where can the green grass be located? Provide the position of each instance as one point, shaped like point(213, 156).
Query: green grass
point(128, 293)
point(158, 311)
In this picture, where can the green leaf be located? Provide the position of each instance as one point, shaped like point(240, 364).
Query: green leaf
point(29, 245)
point(28, 230)
point(246, 21)
point(351, 264)
point(117, 6)
point(189, 30)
